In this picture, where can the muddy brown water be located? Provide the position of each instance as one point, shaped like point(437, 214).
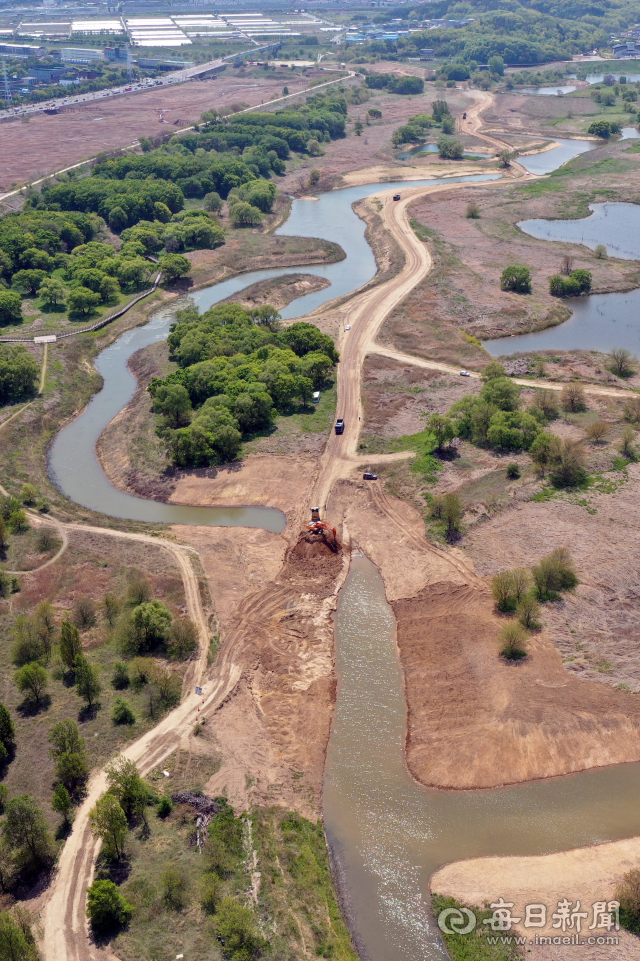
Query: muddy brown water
point(388, 834)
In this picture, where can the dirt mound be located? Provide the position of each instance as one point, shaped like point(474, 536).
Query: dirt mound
point(312, 566)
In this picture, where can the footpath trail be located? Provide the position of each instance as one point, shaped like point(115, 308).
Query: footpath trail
point(66, 936)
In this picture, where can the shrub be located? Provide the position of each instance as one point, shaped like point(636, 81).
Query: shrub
point(28, 494)
point(492, 371)
point(448, 509)
point(449, 148)
point(601, 252)
point(554, 573)
point(578, 282)
point(46, 540)
point(528, 612)
point(111, 606)
point(573, 398)
point(121, 712)
point(473, 211)
point(603, 128)
point(213, 202)
point(632, 410)
point(626, 443)
point(621, 362)
point(164, 807)
point(107, 909)
point(547, 402)
point(567, 468)
point(502, 393)
point(138, 590)
point(512, 640)
point(516, 279)
point(120, 676)
point(174, 886)
point(84, 613)
point(628, 894)
point(513, 470)
point(210, 893)
point(235, 926)
point(183, 639)
point(596, 431)
point(509, 587)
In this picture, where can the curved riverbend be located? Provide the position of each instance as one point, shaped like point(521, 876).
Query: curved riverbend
point(388, 835)
point(73, 465)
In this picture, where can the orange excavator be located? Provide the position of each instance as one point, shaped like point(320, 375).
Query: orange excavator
point(327, 533)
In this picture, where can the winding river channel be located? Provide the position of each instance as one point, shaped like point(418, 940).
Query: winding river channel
point(386, 833)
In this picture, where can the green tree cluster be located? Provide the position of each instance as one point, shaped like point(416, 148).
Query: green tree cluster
point(400, 85)
point(19, 372)
point(415, 129)
point(576, 283)
point(38, 240)
point(69, 753)
point(236, 370)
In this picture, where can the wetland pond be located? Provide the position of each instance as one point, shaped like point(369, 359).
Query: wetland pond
point(599, 321)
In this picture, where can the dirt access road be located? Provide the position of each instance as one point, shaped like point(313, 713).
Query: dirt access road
point(66, 936)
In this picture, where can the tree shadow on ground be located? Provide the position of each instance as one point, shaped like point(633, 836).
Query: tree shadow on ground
point(29, 707)
point(88, 712)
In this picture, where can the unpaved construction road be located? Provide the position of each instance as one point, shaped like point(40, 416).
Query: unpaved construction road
point(65, 927)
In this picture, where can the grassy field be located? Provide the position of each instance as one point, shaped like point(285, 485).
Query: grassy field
point(271, 862)
point(92, 566)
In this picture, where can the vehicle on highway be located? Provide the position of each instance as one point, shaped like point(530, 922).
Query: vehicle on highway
point(339, 426)
point(369, 476)
point(396, 196)
point(348, 327)
point(465, 373)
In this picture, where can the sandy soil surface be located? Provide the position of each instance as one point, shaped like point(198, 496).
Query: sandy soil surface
point(273, 597)
point(49, 143)
point(587, 875)
point(280, 291)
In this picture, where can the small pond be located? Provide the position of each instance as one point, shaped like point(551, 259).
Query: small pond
point(433, 148)
point(549, 160)
point(550, 91)
point(601, 321)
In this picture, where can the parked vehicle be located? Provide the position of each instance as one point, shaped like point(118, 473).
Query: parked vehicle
point(339, 426)
point(369, 476)
point(465, 373)
point(464, 116)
